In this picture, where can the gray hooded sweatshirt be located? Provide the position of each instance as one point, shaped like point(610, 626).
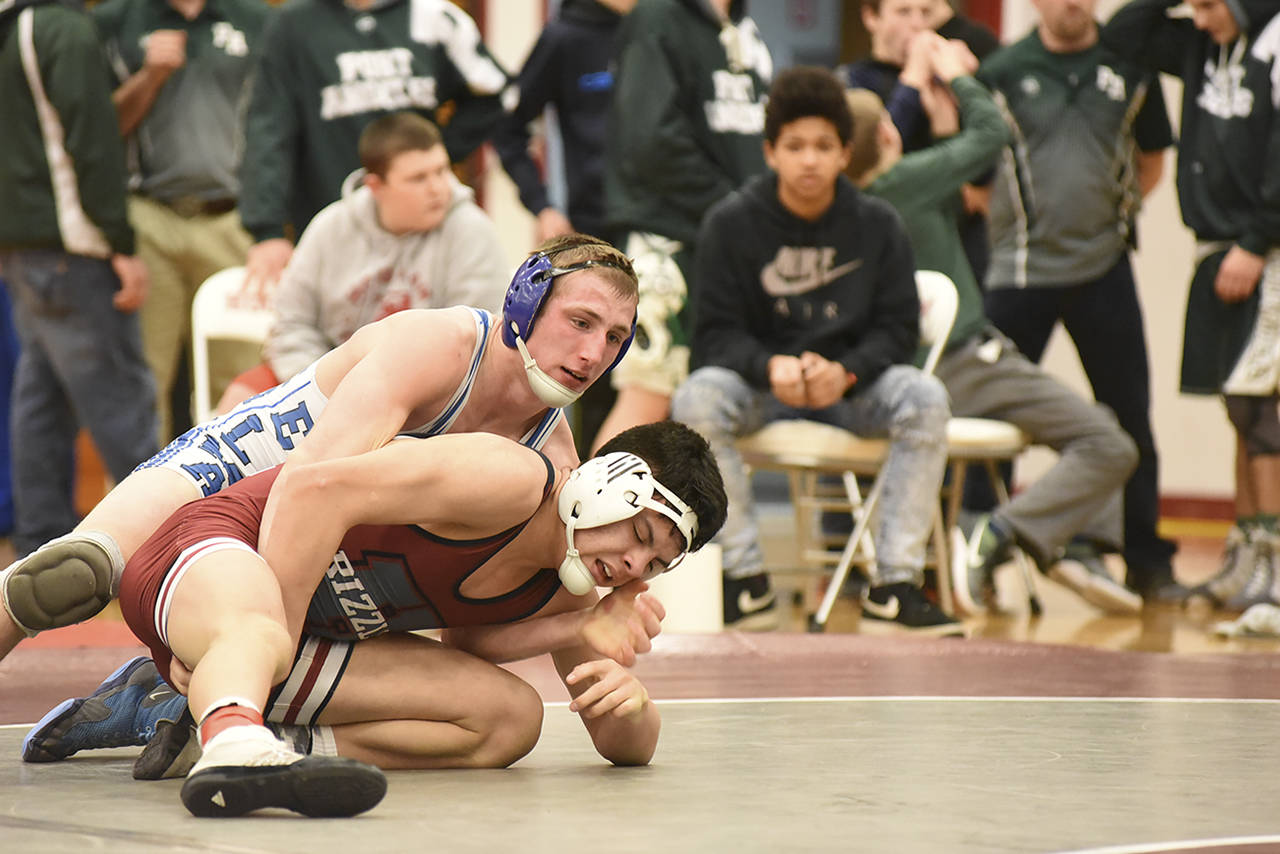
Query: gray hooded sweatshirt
point(348, 270)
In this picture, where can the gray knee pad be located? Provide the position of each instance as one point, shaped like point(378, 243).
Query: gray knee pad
point(1257, 421)
point(64, 582)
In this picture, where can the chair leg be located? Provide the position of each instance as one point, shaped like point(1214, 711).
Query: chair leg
point(818, 622)
point(942, 558)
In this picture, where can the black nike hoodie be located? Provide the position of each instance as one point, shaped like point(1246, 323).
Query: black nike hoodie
point(842, 286)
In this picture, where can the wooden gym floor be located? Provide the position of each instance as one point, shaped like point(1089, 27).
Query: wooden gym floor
point(1074, 732)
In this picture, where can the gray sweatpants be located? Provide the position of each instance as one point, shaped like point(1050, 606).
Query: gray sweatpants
point(987, 377)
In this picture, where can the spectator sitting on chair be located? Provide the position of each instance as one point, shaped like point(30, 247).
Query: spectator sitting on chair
point(411, 237)
point(328, 68)
point(807, 308)
point(984, 374)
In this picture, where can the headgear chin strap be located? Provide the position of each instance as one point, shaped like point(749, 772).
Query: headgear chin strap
point(528, 289)
point(608, 489)
point(548, 390)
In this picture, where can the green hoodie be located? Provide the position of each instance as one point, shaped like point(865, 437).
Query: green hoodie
point(62, 167)
point(924, 186)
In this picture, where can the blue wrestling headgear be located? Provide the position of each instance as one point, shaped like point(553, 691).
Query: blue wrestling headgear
point(529, 287)
point(609, 489)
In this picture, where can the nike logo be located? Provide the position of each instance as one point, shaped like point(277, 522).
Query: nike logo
point(836, 272)
point(797, 270)
point(974, 550)
point(160, 694)
point(888, 611)
point(748, 604)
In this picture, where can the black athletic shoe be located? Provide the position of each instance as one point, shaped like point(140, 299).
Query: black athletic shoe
point(904, 606)
point(171, 751)
point(246, 768)
point(750, 604)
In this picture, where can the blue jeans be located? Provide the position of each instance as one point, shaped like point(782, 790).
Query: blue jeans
point(81, 364)
point(907, 406)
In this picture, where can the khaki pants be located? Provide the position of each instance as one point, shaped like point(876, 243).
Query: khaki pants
point(180, 253)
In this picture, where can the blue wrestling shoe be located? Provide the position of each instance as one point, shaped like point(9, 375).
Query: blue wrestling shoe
point(122, 712)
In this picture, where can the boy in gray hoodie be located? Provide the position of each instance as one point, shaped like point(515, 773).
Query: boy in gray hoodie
point(409, 236)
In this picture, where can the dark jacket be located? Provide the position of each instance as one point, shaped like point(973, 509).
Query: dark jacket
point(686, 124)
point(87, 156)
point(1229, 149)
point(568, 68)
point(771, 283)
point(902, 101)
point(328, 70)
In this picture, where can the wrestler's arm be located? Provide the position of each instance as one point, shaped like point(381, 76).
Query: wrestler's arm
point(445, 482)
point(619, 627)
point(559, 446)
point(613, 705)
point(416, 361)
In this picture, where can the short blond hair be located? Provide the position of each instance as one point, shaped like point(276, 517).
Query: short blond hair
point(867, 109)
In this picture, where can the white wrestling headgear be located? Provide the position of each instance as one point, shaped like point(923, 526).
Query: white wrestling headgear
point(609, 489)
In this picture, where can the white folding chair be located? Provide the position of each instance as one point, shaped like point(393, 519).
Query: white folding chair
point(804, 450)
point(213, 317)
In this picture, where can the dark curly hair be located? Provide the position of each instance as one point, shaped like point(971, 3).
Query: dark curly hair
point(682, 461)
point(804, 91)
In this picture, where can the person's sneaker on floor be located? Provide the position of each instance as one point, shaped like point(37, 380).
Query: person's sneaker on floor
point(1238, 564)
point(904, 606)
point(1156, 585)
point(171, 751)
point(246, 768)
point(974, 565)
point(122, 712)
point(1081, 570)
point(1257, 587)
point(750, 604)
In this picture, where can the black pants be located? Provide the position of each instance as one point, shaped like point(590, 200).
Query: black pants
point(1104, 319)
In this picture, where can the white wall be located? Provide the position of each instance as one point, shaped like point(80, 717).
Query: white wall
point(1192, 434)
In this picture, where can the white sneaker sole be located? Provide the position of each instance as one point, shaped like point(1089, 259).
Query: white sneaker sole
point(1111, 598)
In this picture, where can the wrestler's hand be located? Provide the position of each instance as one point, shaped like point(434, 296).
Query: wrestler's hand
point(621, 624)
point(613, 690)
point(1238, 275)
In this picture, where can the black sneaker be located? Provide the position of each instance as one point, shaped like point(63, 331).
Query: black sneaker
point(749, 604)
point(905, 606)
point(171, 751)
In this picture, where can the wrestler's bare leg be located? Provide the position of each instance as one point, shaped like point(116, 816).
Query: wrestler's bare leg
point(74, 577)
point(410, 702)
